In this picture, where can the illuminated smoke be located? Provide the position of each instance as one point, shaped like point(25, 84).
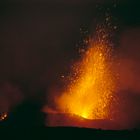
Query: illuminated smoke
point(126, 107)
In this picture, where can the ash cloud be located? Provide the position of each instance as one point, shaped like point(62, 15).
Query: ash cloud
point(129, 58)
point(127, 64)
point(10, 96)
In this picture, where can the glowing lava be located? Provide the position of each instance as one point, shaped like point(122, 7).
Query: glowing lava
point(3, 116)
point(92, 84)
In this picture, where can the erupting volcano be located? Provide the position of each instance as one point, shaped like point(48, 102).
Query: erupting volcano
point(92, 84)
point(91, 90)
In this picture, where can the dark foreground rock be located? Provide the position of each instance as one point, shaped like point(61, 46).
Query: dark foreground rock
point(61, 119)
point(70, 133)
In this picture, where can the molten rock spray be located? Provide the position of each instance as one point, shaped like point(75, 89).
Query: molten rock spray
point(92, 85)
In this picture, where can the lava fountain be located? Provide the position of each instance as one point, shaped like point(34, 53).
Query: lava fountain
point(92, 85)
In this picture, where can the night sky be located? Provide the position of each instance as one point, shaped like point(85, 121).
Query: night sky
point(40, 39)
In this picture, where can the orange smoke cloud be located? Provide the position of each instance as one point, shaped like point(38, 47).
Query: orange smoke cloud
point(128, 67)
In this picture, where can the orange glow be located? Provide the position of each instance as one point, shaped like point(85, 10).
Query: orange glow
point(3, 116)
point(92, 84)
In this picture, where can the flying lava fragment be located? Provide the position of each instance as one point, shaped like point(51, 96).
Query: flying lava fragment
point(3, 116)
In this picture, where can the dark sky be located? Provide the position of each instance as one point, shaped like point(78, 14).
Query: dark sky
point(38, 38)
